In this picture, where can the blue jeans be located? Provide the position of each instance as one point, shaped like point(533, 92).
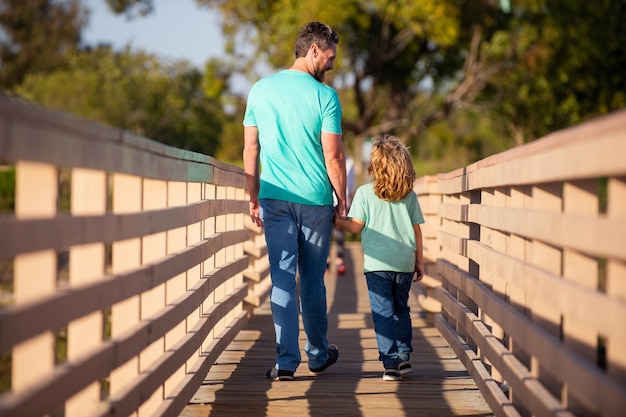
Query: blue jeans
point(389, 296)
point(298, 239)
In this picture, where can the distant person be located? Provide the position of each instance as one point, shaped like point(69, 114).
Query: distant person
point(339, 235)
point(292, 129)
point(388, 214)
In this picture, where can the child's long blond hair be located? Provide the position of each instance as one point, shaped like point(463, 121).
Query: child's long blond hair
point(392, 168)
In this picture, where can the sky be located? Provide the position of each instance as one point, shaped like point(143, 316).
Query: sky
point(176, 29)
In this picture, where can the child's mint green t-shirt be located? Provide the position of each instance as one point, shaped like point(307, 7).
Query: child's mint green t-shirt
point(387, 238)
point(290, 110)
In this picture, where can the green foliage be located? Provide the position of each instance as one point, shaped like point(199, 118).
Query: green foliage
point(138, 92)
point(400, 64)
point(7, 189)
point(131, 8)
point(567, 65)
point(39, 36)
point(527, 67)
point(456, 79)
point(5, 372)
point(464, 138)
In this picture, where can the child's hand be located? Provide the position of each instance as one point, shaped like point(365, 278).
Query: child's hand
point(349, 224)
point(419, 272)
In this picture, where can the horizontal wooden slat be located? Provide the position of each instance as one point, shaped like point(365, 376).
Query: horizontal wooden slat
point(255, 251)
point(594, 235)
point(426, 185)
point(256, 276)
point(37, 134)
point(182, 393)
point(23, 236)
point(576, 303)
point(147, 382)
point(18, 323)
point(489, 387)
point(454, 243)
point(259, 292)
point(583, 378)
point(597, 147)
point(69, 378)
point(598, 158)
point(529, 392)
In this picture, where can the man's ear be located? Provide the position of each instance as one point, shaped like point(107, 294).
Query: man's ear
point(314, 50)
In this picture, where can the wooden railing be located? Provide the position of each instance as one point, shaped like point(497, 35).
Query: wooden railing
point(526, 256)
point(128, 267)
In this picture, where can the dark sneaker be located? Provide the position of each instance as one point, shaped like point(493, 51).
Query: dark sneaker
point(392, 375)
point(333, 355)
point(405, 368)
point(279, 374)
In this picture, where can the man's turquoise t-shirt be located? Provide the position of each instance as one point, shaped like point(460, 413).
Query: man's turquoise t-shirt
point(388, 238)
point(290, 110)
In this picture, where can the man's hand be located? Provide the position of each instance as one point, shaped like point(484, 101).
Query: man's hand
point(255, 215)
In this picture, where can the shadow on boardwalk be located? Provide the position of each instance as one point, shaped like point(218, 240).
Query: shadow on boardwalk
point(439, 385)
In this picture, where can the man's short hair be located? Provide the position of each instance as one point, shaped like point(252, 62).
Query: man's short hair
point(315, 33)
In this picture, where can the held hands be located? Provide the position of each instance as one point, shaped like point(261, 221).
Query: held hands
point(339, 222)
point(339, 214)
point(341, 211)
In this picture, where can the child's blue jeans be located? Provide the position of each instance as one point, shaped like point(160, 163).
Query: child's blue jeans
point(389, 296)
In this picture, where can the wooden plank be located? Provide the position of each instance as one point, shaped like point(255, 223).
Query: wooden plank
point(35, 274)
point(149, 380)
point(24, 321)
point(534, 284)
point(63, 231)
point(603, 236)
point(490, 388)
point(530, 392)
point(87, 264)
point(584, 378)
point(38, 134)
point(596, 145)
point(439, 385)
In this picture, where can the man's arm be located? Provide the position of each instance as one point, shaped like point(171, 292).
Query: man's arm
point(335, 160)
point(251, 151)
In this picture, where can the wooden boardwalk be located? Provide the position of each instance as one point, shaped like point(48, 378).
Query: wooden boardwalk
point(439, 385)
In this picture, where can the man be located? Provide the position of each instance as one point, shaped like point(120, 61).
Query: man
point(292, 130)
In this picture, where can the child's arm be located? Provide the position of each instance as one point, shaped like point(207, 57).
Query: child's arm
point(419, 253)
point(349, 224)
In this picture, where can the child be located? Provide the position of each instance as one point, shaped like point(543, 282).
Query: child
point(389, 216)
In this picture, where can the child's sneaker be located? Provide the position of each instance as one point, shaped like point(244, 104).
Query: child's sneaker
point(279, 374)
point(392, 375)
point(405, 368)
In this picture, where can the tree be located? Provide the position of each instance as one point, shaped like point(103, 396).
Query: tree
point(402, 66)
point(429, 71)
point(39, 37)
point(572, 70)
point(539, 65)
point(131, 8)
point(390, 52)
point(172, 103)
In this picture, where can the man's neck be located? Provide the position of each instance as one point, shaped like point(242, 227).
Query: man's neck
point(301, 64)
